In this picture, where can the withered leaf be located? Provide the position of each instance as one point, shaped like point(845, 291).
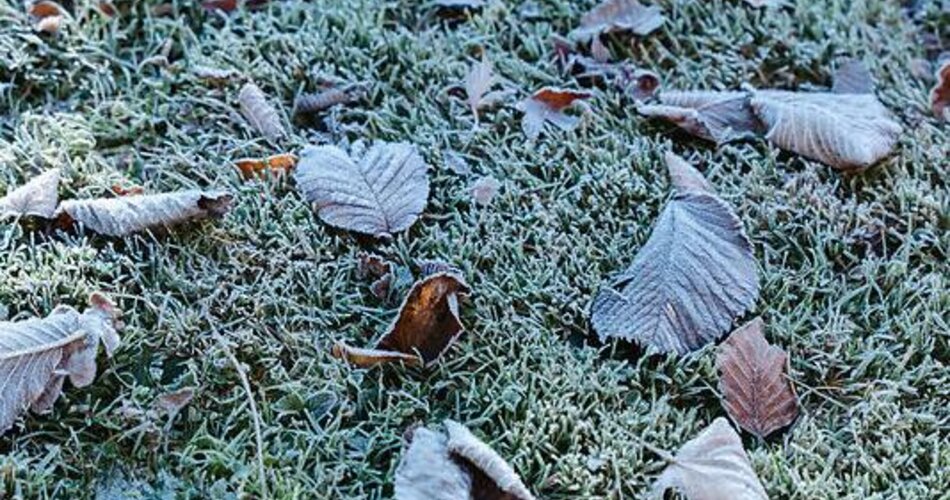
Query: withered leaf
point(478, 82)
point(712, 466)
point(321, 101)
point(173, 402)
point(36, 355)
point(684, 176)
point(845, 131)
point(379, 194)
point(427, 325)
point(716, 116)
point(619, 15)
point(691, 279)
point(754, 389)
point(484, 190)
point(456, 465)
point(216, 75)
point(125, 215)
point(940, 93)
point(38, 197)
point(547, 106)
point(47, 16)
point(261, 114)
point(128, 190)
point(258, 167)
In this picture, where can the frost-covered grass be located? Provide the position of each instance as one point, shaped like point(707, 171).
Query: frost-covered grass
point(854, 268)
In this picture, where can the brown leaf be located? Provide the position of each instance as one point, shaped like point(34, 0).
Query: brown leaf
point(47, 16)
point(711, 466)
point(547, 105)
point(940, 93)
point(36, 355)
point(619, 15)
point(259, 167)
point(38, 197)
point(133, 190)
point(173, 402)
point(260, 113)
point(321, 101)
point(455, 466)
point(755, 390)
point(372, 266)
point(122, 216)
point(428, 324)
point(716, 116)
point(484, 190)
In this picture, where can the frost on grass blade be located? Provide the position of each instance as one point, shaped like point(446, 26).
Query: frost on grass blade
point(427, 325)
point(755, 391)
point(694, 276)
point(619, 15)
point(547, 106)
point(37, 355)
point(455, 465)
point(126, 215)
point(260, 113)
point(38, 197)
point(720, 117)
point(379, 194)
point(711, 466)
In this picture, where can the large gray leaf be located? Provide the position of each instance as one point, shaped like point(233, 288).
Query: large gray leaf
point(379, 194)
point(619, 15)
point(36, 355)
point(845, 131)
point(712, 466)
point(689, 282)
point(716, 116)
point(128, 214)
point(37, 197)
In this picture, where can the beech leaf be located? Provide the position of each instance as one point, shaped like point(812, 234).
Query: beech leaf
point(126, 215)
point(261, 114)
point(716, 116)
point(755, 391)
point(845, 131)
point(427, 325)
point(379, 194)
point(456, 465)
point(547, 106)
point(693, 277)
point(712, 466)
point(38, 197)
point(36, 355)
point(619, 15)
point(940, 93)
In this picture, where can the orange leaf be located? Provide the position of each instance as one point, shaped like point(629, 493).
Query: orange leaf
point(251, 167)
point(940, 94)
point(45, 9)
point(132, 190)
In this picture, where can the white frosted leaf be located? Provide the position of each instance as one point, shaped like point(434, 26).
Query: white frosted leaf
point(619, 15)
point(845, 131)
point(128, 214)
point(260, 113)
point(694, 276)
point(716, 116)
point(381, 193)
point(712, 466)
point(37, 197)
point(684, 176)
point(462, 443)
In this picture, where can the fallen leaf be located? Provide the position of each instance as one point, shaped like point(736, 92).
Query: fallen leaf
point(548, 105)
point(258, 167)
point(845, 131)
point(619, 15)
point(940, 93)
point(45, 8)
point(38, 197)
point(216, 75)
point(755, 391)
point(716, 116)
point(379, 194)
point(49, 24)
point(173, 402)
point(484, 190)
point(852, 77)
point(321, 101)
point(260, 113)
point(693, 277)
point(684, 177)
point(378, 268)
point(133, 190)
point(711, 466)
point(478, 82)
point(36, 355)
point(428, 267)
point(639, 84)
point(427, 325)
point(456, 465)
point(122, 216)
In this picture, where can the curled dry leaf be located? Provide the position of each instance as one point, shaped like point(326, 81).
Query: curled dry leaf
point(173, 402)
point(547, 106)
point(619, 15)
point(428, 324)
point(258, 167)
point(940, 93)
point(455, 465)
point(716, 116)
point(711, 466)
point(755, 391)
point(37, 355)
point(691, 279)
point(321, 101)
point(484, 190)
point(215, 75)
point(379, 194)
point(260, 113)
point(38, 197)
point(122, 216)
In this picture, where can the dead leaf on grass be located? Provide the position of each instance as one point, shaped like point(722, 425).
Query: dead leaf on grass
point(260, 113)
point(171, 403)
point(619, 15)
point(720, 117)
point(38, 197)
point(126, 215)
point(478, 84)
point(260, 167)
point(337, 96)
point(940, 93)
point(547, 106)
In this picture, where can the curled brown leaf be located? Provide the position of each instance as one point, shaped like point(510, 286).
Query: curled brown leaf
point(259, 167)
point(940, 93)
point(547, 106)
